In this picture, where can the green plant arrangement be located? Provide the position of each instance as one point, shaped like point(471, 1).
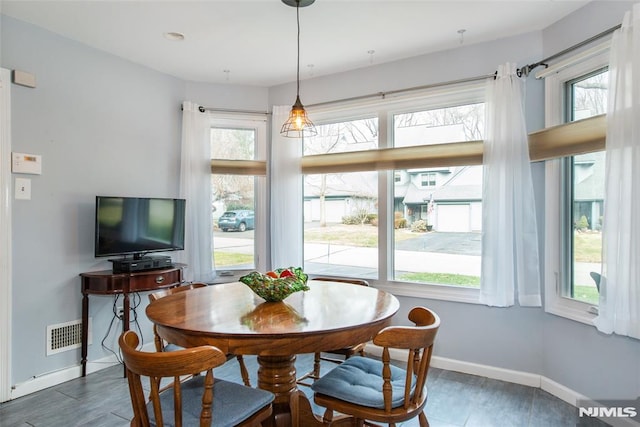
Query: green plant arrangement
point(276, 285)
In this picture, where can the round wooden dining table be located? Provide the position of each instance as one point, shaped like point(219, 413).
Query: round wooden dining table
point(230, 316)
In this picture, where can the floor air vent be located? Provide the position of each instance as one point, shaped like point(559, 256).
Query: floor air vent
point(65, 336)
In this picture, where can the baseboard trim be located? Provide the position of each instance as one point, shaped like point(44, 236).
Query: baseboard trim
point(517, 377)
point(508, 375)
point(50, 379)
point(558, 390)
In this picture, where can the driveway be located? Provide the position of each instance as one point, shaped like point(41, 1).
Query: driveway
point(446, 243)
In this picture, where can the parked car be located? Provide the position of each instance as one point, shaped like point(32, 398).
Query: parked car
point(240, 220)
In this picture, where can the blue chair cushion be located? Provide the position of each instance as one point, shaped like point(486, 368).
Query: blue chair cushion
point(232, 403)
point(359, 380)
point(172, 347)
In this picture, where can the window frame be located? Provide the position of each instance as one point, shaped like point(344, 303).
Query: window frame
point(385, 110)
point(257, 123)
point(557, 263)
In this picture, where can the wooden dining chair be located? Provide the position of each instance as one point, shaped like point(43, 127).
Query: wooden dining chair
point(376, 391)
point(346, 352)
point(201, 400)
point(162, 345)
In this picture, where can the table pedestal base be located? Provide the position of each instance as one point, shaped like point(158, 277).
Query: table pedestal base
point(277, 374)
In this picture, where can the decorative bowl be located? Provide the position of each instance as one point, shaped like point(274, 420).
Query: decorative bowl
point(278, 284)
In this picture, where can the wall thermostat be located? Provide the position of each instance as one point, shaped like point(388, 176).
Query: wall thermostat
point(26, 163)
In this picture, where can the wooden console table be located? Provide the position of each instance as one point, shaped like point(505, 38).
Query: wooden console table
point(106, 282)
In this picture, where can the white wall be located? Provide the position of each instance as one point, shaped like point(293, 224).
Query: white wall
point(107, 126)
point(228, 96)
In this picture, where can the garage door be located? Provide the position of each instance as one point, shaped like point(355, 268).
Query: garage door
point(454, 218)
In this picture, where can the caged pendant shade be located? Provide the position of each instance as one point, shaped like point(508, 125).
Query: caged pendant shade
point(298, 124)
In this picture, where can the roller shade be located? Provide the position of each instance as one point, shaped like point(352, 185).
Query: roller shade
point(578, 137)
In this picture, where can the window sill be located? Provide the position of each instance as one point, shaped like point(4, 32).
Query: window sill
point(573, 310)
point(438, 292)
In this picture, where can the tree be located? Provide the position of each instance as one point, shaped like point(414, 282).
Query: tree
point(590, 95)
point(582, 223)
point(355, 135)
point(470, 119)
point(233, 144)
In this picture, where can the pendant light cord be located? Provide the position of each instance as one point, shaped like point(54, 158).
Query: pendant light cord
point(298, 124)
point(298, 61)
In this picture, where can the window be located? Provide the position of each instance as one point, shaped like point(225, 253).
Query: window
point(340, 209)
point(428, 179)
point(586, 96)
point(366, 218)
point(237, 210)
point(439, 240)
point(574, 195)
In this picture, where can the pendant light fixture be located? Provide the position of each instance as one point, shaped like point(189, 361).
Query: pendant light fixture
point(298, 124)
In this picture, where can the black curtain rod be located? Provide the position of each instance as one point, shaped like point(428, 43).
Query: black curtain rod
point(524, 71)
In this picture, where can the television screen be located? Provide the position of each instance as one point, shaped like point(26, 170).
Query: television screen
point(137, 225)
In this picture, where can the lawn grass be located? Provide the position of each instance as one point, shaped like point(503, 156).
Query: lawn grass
point(364, 236)
point(587, 246)
point(442, 279)
point(230, 259)
point(587, 294)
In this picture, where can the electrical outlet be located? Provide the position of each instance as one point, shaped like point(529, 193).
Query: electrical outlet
point(120, 312)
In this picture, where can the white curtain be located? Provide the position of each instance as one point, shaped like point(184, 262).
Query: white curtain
point(195, 187)
point(619, 308)
point(509, 231)
point(286, 194)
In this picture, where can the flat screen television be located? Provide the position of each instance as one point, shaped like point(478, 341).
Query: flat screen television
point(138, 225)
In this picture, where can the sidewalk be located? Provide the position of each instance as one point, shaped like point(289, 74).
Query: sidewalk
point(342, 258)
point(432, 262)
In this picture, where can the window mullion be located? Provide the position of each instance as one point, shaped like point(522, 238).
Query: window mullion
point(385, 208)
